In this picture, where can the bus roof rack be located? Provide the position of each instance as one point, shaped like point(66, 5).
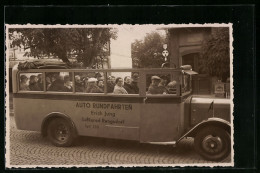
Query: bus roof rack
point(42, 65)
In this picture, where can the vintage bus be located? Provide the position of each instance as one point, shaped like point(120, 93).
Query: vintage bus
point(159, 108)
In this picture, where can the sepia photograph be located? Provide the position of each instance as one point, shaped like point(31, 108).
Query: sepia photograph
point(119, 95)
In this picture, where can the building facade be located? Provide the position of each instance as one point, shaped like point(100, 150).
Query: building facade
point(185, 48)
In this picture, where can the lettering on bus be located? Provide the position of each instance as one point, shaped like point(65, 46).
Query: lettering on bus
point(104, 106)
point(102, 114)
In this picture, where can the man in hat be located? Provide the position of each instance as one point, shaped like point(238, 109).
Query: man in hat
point(154, 87)
point(134, 84)
point(92, 86)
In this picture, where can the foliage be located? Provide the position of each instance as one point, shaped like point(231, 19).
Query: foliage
point(83, 43)
point(215, 58)
point(147, 52)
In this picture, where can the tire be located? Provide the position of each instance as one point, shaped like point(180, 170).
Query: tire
point(213, 143)
point(61, 132)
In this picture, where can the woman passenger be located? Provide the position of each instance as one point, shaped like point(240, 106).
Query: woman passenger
point(119, 89)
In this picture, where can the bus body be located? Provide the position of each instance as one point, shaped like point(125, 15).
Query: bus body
point(149, 118)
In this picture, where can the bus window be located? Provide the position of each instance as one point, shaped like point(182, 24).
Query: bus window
point(123, 83)
point(160, 84)
point(91, 82)
point(59, 81)
point(31, 82)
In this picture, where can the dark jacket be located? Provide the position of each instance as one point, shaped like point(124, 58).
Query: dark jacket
point(57, 85)
point(34, 87)
point(129, 89)
point(110, 87)
point(135, 87)
point(153, 89)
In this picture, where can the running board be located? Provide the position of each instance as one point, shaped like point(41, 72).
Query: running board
point(173, 143)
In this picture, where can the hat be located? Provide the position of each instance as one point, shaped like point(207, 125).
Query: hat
point(155, 78)
point(92, 79)
point(135, 76)
point(23, 77)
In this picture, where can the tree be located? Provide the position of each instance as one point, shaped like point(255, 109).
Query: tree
point(215, 58)
point(147, 52)
point(83, 43)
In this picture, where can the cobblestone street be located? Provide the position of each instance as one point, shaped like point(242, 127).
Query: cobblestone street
point(30, 148)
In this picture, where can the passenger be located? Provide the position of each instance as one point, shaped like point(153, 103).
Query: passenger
point(163, 84)
point(134, 83)
point(100, 84)
point(33, 85)
point(154, 87)
point(98, 76)
point(57, 83)
point(92, 86)
point(110, 84)
point(78, 84)
point(171, 87)
point(23, 84)
point(119, 89)
point(67, 84)
point(48, 83)
point(128, 86)
point(40, 83)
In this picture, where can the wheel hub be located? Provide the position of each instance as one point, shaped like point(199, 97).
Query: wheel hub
point(61, 133)
point(212, 144)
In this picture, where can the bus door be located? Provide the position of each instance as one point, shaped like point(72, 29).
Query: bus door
point(160, 110)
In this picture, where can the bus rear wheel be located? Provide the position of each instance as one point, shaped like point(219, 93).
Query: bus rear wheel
point(60, 132)
point(213, 143)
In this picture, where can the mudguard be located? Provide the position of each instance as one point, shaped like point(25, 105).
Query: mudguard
point(214, 121)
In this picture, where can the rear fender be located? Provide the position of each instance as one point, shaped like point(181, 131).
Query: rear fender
point(52, 116)
point(217, 122)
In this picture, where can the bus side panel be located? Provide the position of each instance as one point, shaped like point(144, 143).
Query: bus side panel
point(160, 122)
point(100, 119)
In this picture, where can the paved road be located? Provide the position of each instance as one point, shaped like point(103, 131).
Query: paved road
point(29, 148)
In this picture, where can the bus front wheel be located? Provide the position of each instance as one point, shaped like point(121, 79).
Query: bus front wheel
point(60, 132)
point(213, 143)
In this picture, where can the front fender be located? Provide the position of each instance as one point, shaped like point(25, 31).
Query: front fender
point(214, 121)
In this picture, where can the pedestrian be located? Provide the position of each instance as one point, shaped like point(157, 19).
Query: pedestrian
point(119, 89)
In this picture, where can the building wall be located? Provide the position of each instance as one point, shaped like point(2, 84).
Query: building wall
point(185, 47)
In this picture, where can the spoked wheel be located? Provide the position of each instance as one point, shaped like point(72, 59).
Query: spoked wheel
point(213, 143)
point(61, 132)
